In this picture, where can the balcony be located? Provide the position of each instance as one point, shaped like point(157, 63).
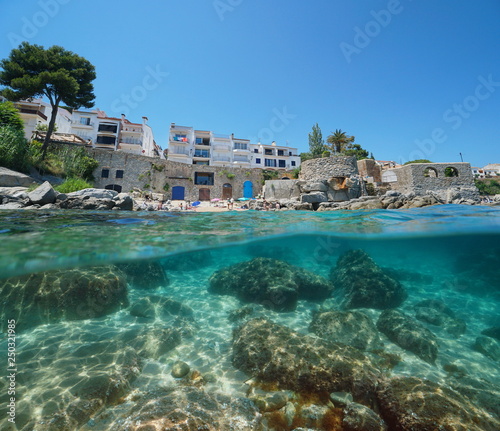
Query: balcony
point(218, 136)
point(131, 141)
point(179, 139)
point(33, 112)
point(221, 147)
point(221, 159)
point(240, 159)
point(201, 154)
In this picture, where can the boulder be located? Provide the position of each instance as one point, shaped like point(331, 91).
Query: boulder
point(189, 409)
point(408, 334)
point(493, 332)
point(364, 284)
point(123, 202)
point(9, 178)
point(145, 274)
point(437, 313)
point(488, 346)
point(372, 204)
point(410, 403)
point(352, 328)
point(273, 283)
point(86, 203)
point(71, 294)
point(94, 193)
point(358, 417)
point(275, 354)
point(314, 197)
point(318, 186)
point(43, 194)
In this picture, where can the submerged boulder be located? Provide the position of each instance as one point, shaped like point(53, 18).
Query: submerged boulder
point(71, 294)
point(410, 403)
point(408, 334)
point(364, 283)
point(145, 274)
point(273, 283)
point(488, 346)
point(437, 313)
point(275, 354)
point(189, 409)
point(353, 328)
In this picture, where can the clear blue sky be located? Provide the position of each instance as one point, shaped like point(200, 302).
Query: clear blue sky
point(409, 79)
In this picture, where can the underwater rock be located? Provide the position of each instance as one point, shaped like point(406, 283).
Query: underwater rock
point(145, 274)
point(275, 284)
point(493, 332)
point(408, 334)
point(180, 369)
point(152, 341)
point(488, 346)
point(191, 261)
point(160, 307)
point(358, 417)
point(190, 409)
point(353, 328)
point(364, 284)
point(437, 313)
point(483, 394)
point(70, 294)
point(410, 403)
point(246, 312)
point(275, 354)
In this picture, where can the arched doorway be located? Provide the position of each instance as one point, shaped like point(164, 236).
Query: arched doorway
point(227, 191)
point(115, 187)
point(204, 195)
point(248, 189)
point(178, 193)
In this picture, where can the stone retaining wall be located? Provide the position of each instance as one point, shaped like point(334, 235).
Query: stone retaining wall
point(161, 176)
point(328, 167)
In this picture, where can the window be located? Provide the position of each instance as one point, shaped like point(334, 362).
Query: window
point(106, 140)
point(85, 121)
point(271, 163)
point(204, 178)
point(119, 173)
point(255, 150)
point(268, 152)
point(105, 173)
point(240, 146)
point(200, 163)
point(202, 153)
point(289, 153)
point(293, 162)
point(281, 152)
point(199, 141)
point(282, 163)
point(111, 128)
point(257, 161)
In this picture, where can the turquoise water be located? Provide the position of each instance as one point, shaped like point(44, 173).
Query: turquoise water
point(449, 253)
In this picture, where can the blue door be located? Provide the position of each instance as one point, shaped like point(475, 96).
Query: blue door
point(178, 193)
point(247, 189)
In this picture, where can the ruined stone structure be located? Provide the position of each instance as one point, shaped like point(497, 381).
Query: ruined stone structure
point(445, 180)
point(123, 172)
point(331, 179)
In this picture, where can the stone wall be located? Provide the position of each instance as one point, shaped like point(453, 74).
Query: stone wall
point(328, 167)
point(161, 176)
point(429, 178)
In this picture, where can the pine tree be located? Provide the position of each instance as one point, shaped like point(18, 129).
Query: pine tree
point(316, 142)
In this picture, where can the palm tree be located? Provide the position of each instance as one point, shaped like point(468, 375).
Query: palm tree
point(339, 141)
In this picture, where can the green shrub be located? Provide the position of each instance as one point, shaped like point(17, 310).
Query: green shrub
point(73, 185)
point(13, 149)
point(296, 172)
point(230, 175)
point(326, 154)
point(166, 187)
point(9, 116)
point(488, 187)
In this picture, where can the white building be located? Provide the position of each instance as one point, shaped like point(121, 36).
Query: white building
point(489, 171)
point(95, 127)
point(201, 147)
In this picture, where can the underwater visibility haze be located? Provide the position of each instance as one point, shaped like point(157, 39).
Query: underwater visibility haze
point(383, 319)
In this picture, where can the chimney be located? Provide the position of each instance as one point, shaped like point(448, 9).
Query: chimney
point(144, 120)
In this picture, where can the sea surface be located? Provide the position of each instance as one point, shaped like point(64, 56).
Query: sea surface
point(449, 253)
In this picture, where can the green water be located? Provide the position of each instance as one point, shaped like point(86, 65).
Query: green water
point(448, 253)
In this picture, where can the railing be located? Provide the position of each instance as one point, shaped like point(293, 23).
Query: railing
point(220, 147)
point(179, 153)
point(130, 141)
point(221, 159)
point(204, 154)
point(33, 112)
point(78, 123)
point(219, 136)
point(179, 139)
point(241, 159)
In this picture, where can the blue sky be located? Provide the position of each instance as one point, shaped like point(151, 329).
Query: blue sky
point(409, 79)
